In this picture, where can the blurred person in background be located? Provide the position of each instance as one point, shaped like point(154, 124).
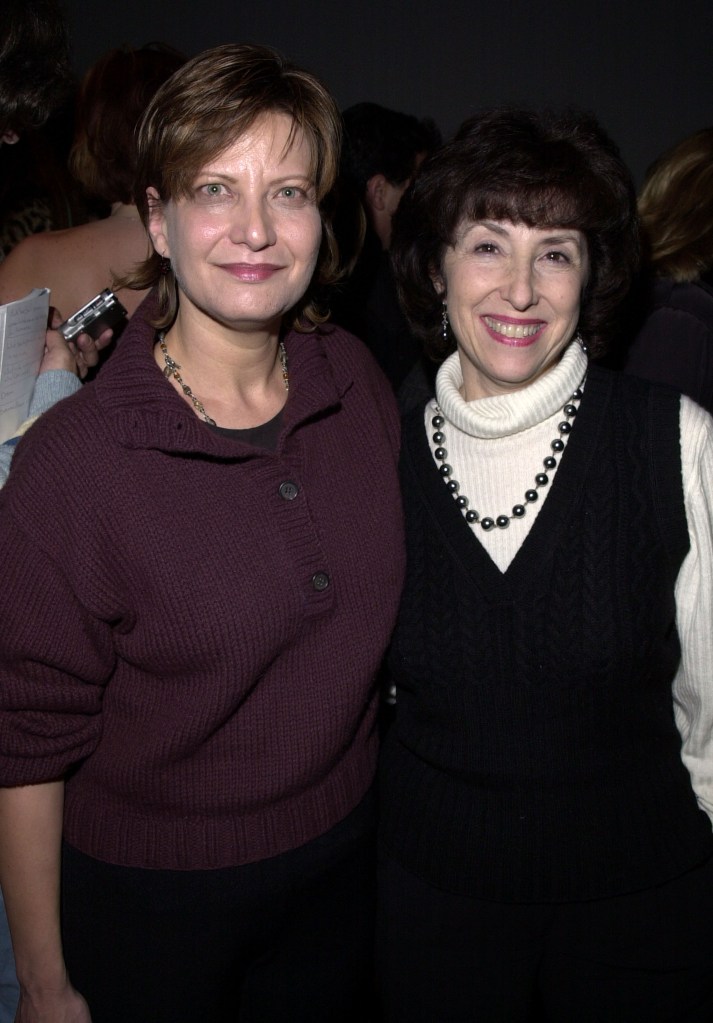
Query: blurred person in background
point(78, 263)
point(36, 190)
point(382, 151)
point(674, 345)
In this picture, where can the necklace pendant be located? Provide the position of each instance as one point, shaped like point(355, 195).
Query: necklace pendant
point(172, 367)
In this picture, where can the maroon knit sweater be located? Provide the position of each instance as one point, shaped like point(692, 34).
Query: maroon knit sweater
point(191, 643)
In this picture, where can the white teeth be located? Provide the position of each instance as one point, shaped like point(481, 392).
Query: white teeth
point(513, 329)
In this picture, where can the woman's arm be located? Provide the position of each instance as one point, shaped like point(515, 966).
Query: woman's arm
point(59, 377)
point(693, 685)
point(30, 851)
point(50, 387)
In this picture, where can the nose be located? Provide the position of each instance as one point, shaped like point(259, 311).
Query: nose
point(520, 288)
point(252, 224)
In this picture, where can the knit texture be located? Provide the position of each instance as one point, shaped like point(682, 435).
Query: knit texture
point(535, 755)
point(166, 637)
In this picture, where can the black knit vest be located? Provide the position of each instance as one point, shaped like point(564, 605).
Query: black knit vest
point(535, 757)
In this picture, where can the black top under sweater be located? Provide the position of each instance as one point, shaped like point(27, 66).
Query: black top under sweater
point(534, 756)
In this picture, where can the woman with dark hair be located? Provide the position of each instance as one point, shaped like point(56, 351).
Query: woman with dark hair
point(199, 584)
point(36, 191)
point(547, 787)
point(78, 263)
point(674, 345)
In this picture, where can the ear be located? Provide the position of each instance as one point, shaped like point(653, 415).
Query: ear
point(439, 284)
point(376, 192)
point(157, 222)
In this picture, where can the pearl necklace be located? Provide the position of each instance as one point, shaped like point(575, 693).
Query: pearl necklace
point(541, 478)
point(172, 367)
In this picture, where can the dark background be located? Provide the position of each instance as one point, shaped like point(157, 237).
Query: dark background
point(645, 67)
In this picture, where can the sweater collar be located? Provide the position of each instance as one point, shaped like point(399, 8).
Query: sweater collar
point(146, 412)
point(507, 414)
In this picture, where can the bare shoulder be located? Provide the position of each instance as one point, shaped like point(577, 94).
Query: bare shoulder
point(44, 260)
point(23, 267)
point(75, 264)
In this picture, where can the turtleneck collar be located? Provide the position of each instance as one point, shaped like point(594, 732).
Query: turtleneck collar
point(507, 414)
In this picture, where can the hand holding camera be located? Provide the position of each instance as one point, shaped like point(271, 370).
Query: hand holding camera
point(77, 355)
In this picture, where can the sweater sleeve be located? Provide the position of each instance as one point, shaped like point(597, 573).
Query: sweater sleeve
point(693, 684)
point(55, 659)
point(50, 388)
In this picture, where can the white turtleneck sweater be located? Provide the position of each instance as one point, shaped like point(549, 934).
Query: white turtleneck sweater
point(496, 446)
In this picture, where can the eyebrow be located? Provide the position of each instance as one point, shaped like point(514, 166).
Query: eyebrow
point(224, 175)
point(559, 239)
point(565, 235)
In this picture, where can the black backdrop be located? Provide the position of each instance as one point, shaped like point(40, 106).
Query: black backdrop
point(645, 67)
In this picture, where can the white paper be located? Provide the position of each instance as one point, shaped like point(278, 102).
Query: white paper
point(23, 325)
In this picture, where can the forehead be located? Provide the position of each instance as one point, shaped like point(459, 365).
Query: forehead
point(518, 232)
point(273, 140)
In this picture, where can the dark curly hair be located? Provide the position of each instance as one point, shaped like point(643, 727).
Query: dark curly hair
point(35, 71)
point(542, 170)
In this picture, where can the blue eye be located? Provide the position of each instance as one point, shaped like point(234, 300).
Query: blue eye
point(292, 193)
point(295, 195)
point(212, 190)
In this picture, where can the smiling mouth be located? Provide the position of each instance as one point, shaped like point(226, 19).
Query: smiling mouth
point(514, 331)
point(251, 271)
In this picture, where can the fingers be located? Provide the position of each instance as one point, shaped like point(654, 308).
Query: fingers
point(58, 353)
point(77, 355)
point(88, 348)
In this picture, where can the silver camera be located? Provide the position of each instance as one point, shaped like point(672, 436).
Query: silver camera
point(105, 310)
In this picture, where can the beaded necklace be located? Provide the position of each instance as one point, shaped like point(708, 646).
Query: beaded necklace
point(487, 522)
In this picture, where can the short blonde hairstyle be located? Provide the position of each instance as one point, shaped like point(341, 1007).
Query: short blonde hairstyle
point(676, 209)
point(205, 107)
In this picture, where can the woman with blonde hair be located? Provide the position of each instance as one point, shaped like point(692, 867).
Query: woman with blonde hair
point(675, 344)
point(200, 578)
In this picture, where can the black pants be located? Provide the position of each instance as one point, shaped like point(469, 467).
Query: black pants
point(640, 958)
point(287, 940)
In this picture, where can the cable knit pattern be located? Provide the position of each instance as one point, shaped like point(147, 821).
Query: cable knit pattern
point(196, 645)
point(535, 755)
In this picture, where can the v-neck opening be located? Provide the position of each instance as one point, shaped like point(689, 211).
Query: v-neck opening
point(559, 503)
